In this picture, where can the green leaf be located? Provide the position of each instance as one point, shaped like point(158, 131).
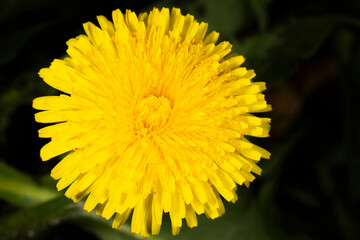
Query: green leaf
point(19, 189)
point(241, 221)
point(260, 10)
point(275, 55)
point(35, 218)
point(279, 154)
point(101, 227)
point(225, 17)
point(272, 169)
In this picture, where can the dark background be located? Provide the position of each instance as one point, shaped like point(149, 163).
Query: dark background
point(308, 52)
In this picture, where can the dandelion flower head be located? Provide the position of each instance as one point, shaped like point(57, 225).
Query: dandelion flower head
point(153, 118)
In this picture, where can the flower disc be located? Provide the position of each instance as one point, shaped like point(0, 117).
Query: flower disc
point(153, 118)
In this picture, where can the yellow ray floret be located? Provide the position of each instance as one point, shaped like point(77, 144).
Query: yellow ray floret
point(153, 119)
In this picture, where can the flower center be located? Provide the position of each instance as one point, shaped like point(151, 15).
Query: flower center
point(154, 111)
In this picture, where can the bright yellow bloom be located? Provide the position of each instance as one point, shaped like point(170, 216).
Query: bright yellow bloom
point(153, 119)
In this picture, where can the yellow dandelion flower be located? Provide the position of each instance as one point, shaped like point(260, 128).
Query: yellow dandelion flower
point(153, 119)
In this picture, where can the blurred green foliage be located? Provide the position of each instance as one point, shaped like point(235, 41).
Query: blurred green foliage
point(308, 52)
